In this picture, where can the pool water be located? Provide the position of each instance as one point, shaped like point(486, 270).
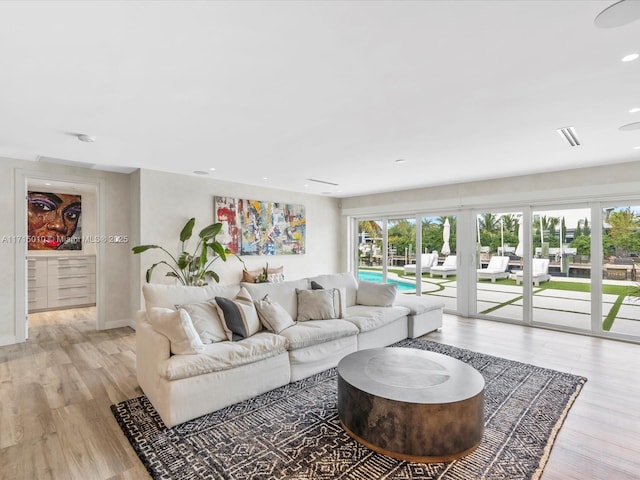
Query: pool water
point(377, 277)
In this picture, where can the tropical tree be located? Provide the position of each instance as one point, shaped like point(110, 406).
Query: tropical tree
point(624, 231)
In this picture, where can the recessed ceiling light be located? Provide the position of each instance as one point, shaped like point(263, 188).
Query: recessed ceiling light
point(265, 178)
point(200, 172)
point(400, 161)
point(86, 138)
point(47, 184)
point(306, 185)
point(631, 57)
point(212, 169)
point(634, 110)
point(630, 126)
point(637, 148)
point(620, 13)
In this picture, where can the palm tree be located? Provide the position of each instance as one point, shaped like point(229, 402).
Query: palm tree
point(489, 223)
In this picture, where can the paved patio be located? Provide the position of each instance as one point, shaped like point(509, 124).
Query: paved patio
point(565, 308)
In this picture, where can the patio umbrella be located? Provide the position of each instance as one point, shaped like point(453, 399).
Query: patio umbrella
point(446, 233)
point(519, 247)
point(502, 234)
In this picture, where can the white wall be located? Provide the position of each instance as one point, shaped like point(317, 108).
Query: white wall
point(167, 201)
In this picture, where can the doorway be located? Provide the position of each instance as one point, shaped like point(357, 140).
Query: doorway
point(66, 275)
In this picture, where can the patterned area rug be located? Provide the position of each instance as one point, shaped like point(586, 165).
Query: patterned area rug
point(293, 432)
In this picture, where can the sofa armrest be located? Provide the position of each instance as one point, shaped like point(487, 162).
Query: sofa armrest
point(152, 349)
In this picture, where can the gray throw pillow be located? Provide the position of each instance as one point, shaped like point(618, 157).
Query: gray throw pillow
point(315, 305)
point(376, 294)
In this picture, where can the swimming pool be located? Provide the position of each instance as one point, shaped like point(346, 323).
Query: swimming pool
point(368, 276)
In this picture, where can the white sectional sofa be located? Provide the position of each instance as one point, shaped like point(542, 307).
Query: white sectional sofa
point(189, 363)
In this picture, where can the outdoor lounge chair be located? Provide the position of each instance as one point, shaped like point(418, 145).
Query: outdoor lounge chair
point(428, 260)
point(448, 267)
point(539, 271)
point(497, 268)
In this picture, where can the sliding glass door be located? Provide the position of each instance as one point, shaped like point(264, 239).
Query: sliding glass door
point(620, 263)
point(562, 240)
point(499, 264)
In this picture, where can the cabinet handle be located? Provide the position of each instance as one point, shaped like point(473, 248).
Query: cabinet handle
point(73, 286)
point(73, 296)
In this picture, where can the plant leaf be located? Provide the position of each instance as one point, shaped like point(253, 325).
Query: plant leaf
point(219, 250)
point(213, 275)
point(184, 260)
point(187, 230)
point(210, 231)
point(143, 248)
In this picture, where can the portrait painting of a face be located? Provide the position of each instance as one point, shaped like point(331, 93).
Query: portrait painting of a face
point(53, 221)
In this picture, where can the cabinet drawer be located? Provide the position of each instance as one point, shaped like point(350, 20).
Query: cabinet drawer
point(68, 280)
point(37, 272)
point(71, 261)
point(72, 300)
point(37, 298)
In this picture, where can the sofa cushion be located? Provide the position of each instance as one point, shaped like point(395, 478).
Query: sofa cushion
point(368, 318)
point(272, 315)
point(315, 305)
point(239, 317)
point(224, 356)
point(313, 332)
point(376, 294)
point(168, 296)
point(284, 293)
point(344, 280)
point(206, 321)
point(177, 327)
point(418, 305)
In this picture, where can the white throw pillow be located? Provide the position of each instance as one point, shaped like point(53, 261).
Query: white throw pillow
point(239, 317)
point(177, 327)
point(206, 321)
point(315, 305)
point(376, 294)
point(273, 315)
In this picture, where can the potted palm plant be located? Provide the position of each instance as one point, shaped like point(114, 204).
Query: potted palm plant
point(192, 268)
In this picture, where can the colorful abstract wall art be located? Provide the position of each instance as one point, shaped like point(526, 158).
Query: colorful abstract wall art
point(255, 227)
point(53, 221)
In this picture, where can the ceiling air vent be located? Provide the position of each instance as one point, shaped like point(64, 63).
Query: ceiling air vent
point(322, 181)
point(569, 133)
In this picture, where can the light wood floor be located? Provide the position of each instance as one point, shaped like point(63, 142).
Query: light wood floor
point(56, 389)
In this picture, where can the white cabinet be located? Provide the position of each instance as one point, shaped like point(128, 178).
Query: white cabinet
point(37, 283)
point(62, 282)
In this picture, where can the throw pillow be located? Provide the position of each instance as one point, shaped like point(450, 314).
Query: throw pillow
point(273, 315)
point(315, 305)
point(274, 275)
point(339, 298)
point(177, 327)
point(206, 321)
point(376, 294)
point(239, 317)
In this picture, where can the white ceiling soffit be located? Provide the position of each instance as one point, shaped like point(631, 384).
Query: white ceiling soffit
point(275, 93)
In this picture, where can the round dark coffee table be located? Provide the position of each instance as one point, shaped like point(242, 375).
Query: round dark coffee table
point(411, 404)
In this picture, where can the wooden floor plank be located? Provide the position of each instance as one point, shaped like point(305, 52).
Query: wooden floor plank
point(56, 390)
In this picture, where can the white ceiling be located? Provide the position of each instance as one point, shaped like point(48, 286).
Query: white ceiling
point(337, 91)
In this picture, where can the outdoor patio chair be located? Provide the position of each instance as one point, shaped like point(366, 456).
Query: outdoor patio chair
point(497, 268)
point(428, 260)
point(448, 267)
point(539, 271)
